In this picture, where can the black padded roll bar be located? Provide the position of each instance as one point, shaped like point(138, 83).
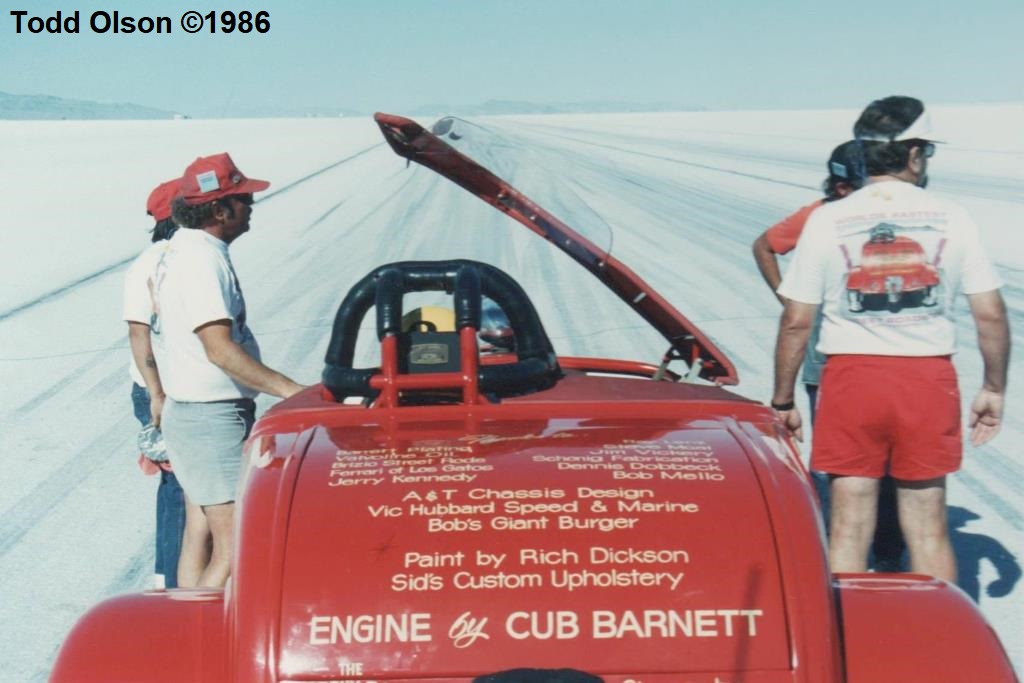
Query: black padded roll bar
point(384, 287)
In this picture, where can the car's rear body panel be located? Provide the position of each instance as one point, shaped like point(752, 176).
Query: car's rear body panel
point(612, 538)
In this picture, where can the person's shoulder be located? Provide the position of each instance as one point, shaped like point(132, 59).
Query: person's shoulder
point(947, 205)
point(147, 259)
point(154, 252)
point(783, 236)
point(193, 246)
point(804, 212)
point(954, 213)
point(826, 213)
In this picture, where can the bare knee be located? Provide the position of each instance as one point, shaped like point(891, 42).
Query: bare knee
point(854, 505)
point(922, 508)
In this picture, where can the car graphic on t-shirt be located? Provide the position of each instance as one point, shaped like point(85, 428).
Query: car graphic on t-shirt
point(893, 274)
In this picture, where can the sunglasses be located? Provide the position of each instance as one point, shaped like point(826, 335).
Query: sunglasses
point(243, 199)
point(927, 148)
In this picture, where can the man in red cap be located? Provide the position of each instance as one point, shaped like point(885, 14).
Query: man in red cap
point(210, 361)
point(147, 389)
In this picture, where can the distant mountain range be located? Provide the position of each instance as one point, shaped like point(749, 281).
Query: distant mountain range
point(276, 110)
point(498, 107)
point(47, 107)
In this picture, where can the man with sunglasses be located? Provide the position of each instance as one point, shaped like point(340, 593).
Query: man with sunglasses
point(844, 177)
point(885, 264)
point(209, 360)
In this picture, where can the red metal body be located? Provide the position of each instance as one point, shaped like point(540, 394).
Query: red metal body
point(632, 528)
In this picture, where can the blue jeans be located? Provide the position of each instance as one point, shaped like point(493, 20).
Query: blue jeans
point(170, 506)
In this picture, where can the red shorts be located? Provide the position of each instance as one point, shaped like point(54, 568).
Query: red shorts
point(879, 414)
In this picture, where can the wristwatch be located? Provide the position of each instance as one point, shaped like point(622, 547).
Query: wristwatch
point(788, 405)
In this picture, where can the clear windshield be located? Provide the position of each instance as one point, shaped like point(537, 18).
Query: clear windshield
point(437, 219)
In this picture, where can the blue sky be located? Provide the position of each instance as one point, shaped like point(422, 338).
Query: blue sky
point(371, 55)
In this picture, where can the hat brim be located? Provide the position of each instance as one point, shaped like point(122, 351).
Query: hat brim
point(920, 129)
point(250, 186)
point(247, 186)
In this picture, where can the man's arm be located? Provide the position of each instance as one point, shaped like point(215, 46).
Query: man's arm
point(989, 314)
point(794, 329)
point(768, 263)
point(142, 353)
point(229, 356)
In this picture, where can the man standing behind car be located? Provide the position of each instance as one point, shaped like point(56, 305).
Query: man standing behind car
point(843, 178)
point(147, 389)
point(209, 359)
point(886, 263)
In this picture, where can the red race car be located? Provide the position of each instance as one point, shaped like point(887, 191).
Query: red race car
point(894, 271)
point(517, 515)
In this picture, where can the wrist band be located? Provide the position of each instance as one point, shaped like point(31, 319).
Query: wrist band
point(788, 405)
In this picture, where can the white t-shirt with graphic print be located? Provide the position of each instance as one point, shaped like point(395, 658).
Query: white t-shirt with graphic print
point(886, 263)
point(137, 304)
point(195, 284)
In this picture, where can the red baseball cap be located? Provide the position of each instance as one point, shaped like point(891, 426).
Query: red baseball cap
point(213, 177)
point(159, 203)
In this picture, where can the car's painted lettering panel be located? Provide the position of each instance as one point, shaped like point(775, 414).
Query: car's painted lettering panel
point(550, 544)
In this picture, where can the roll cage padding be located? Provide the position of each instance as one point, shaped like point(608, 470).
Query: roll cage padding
point(393, 282)
point(384, 288)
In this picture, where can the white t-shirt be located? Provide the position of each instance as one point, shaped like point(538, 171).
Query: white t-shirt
point(886, 263)
point(138, 300)
point(194, 285)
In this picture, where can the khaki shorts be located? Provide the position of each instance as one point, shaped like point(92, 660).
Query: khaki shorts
point(204, 441)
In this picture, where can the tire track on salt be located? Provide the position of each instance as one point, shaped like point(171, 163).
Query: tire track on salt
point(61, 385)
point(121, 263)
point(21, 517)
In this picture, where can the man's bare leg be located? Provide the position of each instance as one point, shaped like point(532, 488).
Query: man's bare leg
point(922, 507)
point(195, 546)
point(854, 511)
point(221, 519)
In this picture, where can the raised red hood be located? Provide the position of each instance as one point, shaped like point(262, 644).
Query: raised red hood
point(411, 141)
point(590, 544)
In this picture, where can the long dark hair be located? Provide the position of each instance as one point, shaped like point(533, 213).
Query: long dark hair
point(844, 175)
point(163, 230)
